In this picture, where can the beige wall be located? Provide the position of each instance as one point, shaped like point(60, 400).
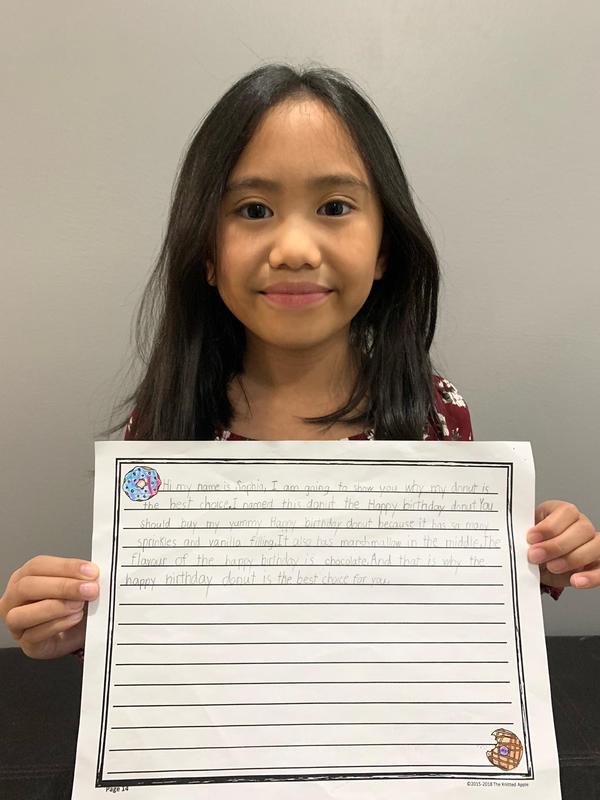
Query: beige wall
point(494, 107)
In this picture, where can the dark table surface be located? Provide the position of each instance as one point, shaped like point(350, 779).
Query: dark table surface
point(39, 705)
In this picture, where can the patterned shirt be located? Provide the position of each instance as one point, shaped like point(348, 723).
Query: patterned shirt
point(453, 419)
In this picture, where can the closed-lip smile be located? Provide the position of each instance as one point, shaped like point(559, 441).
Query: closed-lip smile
point(293, 287)
point(295, 294)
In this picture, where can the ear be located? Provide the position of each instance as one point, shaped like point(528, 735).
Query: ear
point(210, 273)
point(380, 267)
point(382, 258)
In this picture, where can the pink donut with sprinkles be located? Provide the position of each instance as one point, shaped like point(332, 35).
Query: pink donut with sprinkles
point(141, 483)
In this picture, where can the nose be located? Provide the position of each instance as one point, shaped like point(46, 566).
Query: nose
point(294, 247)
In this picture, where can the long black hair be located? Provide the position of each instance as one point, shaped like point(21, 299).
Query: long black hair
point(196, 345)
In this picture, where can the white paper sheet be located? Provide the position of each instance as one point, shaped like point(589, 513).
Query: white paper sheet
point(308, 620)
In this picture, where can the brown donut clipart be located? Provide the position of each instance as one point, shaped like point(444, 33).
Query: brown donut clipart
point(508, 750)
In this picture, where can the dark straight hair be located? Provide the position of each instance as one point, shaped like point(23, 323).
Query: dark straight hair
point(196, 345)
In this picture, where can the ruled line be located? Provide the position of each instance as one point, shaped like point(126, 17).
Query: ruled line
point(324, 641)
point(276, 771)
point(311, 566)
point(306, 683)
point(321, 603)
point(338, 546)
point(270, 663)
point(301, 744)
point(319, 508)
point(298, 725)
point(307, 584)
point(317, 622)
point(296, 527)
point(325, 703)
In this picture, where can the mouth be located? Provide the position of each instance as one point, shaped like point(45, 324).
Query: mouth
point(290, 287)
point(295, 293)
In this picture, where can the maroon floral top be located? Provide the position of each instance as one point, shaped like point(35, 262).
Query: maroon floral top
point(453, 424)
point(453, 419)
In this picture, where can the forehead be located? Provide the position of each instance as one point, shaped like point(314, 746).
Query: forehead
point(298, 138)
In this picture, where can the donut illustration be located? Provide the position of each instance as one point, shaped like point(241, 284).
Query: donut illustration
point(141, 483)
point(508, 750)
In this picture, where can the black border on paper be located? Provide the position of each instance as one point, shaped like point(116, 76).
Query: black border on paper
point(181, 779)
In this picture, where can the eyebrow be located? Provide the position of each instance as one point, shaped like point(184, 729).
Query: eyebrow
point(320, 182)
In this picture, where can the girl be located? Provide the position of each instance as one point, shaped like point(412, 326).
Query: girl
point(295, 297)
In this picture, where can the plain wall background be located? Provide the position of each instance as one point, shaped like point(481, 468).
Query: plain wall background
point(493, 105)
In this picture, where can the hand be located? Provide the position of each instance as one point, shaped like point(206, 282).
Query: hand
point(566, 545)
point(44, 605)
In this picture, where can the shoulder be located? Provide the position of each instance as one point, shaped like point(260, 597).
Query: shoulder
point(453, 416)
point(447, 392)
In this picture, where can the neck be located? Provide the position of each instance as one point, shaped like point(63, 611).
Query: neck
point(311, 381)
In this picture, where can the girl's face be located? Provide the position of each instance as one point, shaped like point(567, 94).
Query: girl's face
point(296, 226)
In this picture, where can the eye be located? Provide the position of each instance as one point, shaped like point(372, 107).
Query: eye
point(337, 203)
point(250, 205)
point(263, 206)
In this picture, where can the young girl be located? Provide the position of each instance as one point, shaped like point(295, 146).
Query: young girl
point(295, 297)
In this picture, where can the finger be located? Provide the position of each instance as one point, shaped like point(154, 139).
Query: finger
point(20, 618)
point(588, 578)
point(576, 535)
point(42, 632)
point(558, 520)
point(588, 553)
point(32, 588)
point(545, 508)
point(556, 581)
point(55, 566)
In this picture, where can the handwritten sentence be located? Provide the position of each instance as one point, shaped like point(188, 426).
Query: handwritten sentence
point(278, 486)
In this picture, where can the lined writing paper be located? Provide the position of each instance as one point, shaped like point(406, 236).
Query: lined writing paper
point(315, 618)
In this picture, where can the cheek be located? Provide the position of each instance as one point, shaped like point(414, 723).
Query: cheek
point(238, 246)
point(230, 290)
point(233, 287)
point(358, 283)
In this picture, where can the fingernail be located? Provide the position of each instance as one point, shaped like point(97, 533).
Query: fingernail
point(89, 570)
point(74, 605)
point(75, 617)
point(88, 589)
point(579, 581)
point(537, 555)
